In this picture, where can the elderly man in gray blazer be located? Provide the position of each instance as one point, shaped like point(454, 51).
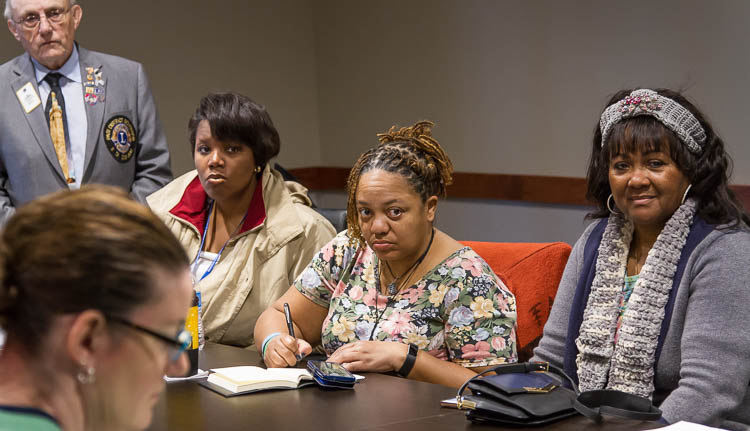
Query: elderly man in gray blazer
point(107, 116)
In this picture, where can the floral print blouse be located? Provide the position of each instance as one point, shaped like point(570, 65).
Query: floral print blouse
point(459, 311)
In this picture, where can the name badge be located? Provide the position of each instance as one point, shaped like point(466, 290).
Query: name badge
point(28, 97)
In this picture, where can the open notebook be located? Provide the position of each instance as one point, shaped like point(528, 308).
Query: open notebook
point(240, 380)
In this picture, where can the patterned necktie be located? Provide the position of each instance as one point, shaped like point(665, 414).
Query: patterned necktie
point(57, 121)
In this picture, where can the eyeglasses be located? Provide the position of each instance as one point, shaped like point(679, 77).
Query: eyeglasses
point(54, 16)
point(177, 345)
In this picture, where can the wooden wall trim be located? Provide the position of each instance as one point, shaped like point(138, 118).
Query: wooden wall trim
point(467, 185)
point(524, 188)
point(322, 178)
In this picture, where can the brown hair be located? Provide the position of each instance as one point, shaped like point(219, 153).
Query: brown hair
point(409, 151)
point(74, 250)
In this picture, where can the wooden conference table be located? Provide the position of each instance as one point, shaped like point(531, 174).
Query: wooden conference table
point(380, 402)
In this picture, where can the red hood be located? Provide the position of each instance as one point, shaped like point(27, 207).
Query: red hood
point(193, 207)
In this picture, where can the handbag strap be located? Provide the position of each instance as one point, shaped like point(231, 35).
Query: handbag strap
point(593, 404)
point(528, 367)
point(460, 402)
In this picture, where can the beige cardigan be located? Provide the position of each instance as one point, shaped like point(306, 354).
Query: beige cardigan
point(258, 264)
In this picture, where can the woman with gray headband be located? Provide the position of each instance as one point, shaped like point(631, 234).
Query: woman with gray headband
point(654, 299)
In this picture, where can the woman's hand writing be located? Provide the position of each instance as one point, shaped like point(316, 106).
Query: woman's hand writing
point(281, 351)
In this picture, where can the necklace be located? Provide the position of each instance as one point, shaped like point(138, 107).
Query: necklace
point(637, 257)
point(394, 289)
point(638, 261)
point(395, 286)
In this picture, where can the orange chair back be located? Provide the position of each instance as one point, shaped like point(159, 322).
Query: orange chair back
point(532, 271)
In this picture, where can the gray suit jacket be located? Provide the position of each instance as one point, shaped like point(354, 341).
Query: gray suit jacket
point(28, 164)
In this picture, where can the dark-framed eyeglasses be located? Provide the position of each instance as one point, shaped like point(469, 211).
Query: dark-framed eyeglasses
point(53, 16)
point(177, 345)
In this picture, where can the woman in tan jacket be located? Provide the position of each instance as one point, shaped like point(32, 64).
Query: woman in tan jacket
point(248, 233)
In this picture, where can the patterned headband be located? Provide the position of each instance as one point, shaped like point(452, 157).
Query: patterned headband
point(667, 111)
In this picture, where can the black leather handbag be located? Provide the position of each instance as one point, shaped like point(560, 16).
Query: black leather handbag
point(535, 393)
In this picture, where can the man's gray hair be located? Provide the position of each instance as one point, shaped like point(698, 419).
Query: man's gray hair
point(9, 15)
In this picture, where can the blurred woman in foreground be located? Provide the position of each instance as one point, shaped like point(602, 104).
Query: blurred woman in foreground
point(94, 291)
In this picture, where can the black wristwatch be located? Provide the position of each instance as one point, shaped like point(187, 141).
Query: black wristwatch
point(411, 358)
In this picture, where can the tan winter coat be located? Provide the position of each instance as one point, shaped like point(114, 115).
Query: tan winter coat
point(258, 264)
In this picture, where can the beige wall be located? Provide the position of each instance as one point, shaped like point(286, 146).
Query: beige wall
point(517, 86)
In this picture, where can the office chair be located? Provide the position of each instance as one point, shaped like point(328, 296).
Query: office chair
point(532, 271)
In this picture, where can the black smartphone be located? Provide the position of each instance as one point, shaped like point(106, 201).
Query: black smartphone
point(329, 371)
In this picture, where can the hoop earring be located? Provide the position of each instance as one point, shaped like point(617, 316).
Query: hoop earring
point(257, 169)
point(86, 375)
point(609, 206)
point(684, 196)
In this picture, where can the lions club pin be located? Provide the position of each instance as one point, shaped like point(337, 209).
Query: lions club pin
point(93, 86)
point(121, 139)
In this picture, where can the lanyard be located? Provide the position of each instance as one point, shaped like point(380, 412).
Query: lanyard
point(203, 241)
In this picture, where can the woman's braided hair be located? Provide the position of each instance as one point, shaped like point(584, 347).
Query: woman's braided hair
point(409, 151)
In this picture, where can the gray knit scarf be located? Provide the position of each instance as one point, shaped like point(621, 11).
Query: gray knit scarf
point(628, 366)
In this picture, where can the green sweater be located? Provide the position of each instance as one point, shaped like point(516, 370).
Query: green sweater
point(26, 419)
